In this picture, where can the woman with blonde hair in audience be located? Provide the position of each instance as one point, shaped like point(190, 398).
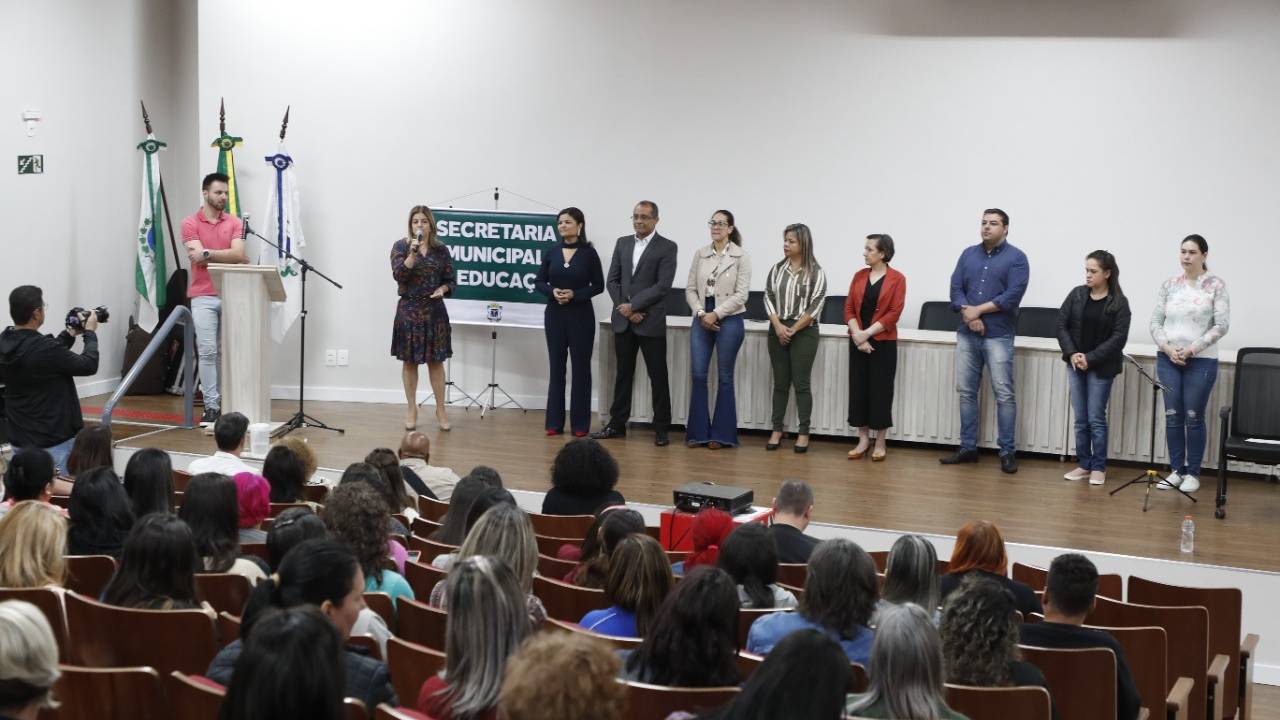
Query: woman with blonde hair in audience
point(33, 546)
point(28, 661)
point(357, 515)
point(979, 550)
point(639, 581)
point(562, 676)
point(487, 622)
point(158, 567)
point(210, 509)
point(804, 678)
point(906, 670)
point(694, 639)
point(503, 532)
point(911, 576)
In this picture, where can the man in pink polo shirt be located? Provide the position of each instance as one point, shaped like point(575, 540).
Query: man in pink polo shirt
point(211, 236)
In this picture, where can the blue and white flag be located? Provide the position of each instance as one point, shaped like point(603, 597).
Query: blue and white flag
point(150, 273)
point(284, 228)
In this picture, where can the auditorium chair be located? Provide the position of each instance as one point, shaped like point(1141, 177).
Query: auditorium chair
point(755, 309)
point(402, 519)
point(1187, 631)
point(181, 479)
point(1000, 703)
point(89, 574)
point(793, 574)
point(1145, 650)
point(656, 702)
point(1250, 424)
point(386, 712)
point(675, 556)
point(1082, 681)
point(832, 310)
point(62, 501)
point(315, 492)
point(365, 645)
point(423, 527)
point(432, 509)
point(1225, 606)
point(224, 591)
point(554, 568)
point(411, 665)
point(430, 548)
point(1109, 585)
point(353, 709)
point(567, 602)
point(381, 603)
point(258, 550)
point(794, 589)
point(49, 602)
point(228, 627)
point(191, 699)
point(422, 624)
point(87, 693)
point(551, 545)
point(277, 508)
point(746, 616)
point(1041, 322)
point(675, 304)
point(561, 526)
point(105, 636)
point(747, 664)
point(938, 315)
point(618, 643)
point(422, 577)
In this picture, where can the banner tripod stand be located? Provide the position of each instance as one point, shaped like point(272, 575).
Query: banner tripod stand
point(494, 388)
point(449, 384)
point(1151, 476)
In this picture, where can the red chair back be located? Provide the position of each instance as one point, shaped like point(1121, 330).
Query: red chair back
point(567, 602)
point(1082, 681)
point(411, 665)
point(422, 624)
point(432, 509)
point(226, 592)
point(192, 699)
point(94, 693)
point(49, 602)
point(89, 574)
point(999, 703)
point(565, 526)
point(105, 636)
point(422, 577)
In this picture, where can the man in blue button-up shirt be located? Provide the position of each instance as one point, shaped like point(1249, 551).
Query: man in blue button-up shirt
point(986, 289)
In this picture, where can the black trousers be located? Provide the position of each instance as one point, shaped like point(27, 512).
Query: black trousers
point(871, 377)
point(571, 333)
point(626, 344)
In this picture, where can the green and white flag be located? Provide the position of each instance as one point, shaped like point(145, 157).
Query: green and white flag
point(150, 272)
point(284, 228)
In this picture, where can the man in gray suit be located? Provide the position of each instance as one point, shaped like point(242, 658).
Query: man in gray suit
point(640, 275)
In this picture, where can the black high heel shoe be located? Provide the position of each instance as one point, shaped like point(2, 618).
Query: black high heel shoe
point(771, 446)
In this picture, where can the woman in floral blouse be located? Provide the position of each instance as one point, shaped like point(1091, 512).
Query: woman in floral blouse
point(423, 271)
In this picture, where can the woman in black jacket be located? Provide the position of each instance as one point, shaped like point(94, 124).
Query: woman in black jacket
point(1093, 326)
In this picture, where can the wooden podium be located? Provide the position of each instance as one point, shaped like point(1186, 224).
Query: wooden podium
point(243, 376)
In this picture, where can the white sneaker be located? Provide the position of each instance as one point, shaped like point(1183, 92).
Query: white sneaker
point(1076, 474)
point(1190, 483)
point(1173, 479)
point(1097, 477)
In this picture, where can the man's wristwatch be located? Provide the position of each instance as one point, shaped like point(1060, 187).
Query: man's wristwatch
point(205, 254)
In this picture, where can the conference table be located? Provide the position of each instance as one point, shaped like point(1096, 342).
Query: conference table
point(925, 405)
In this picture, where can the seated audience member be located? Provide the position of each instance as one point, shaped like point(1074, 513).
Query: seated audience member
point(285, 474)
point(453, 526)
point(91, 449)
point(229, 433)
point(693, 641)
point(583, 477)
point(33, 546)
point(323, 574)
point(290, 528)
point(979, 631)
point(291, 667)
point(503, 532)
point(839, 597)
point(157, 568)
point(388, 464)
point(804, 678)
point(486, 475)
point(611, 525)
point(253, 498)
point(28, 661)
point(369, 475)
point(980, 550)
point(1069, 596)
point(148, 481)
point(911, 576)
point(99, 512)
point(29, 477)
point(420, 477)
point(639, 581)
point(356, 515)
point(488, 498)
point(906, 670)
point(210, 509)
point(562, 676)
point(751, 559)
point(709, 529)
point(302, 449)
point(792, 509)
point(487, 621)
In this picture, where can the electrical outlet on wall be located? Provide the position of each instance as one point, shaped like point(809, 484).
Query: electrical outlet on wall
point(330, 357)
point(342, 357)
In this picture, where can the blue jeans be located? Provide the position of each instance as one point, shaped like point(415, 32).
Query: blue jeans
point(972, 352)
point(1089, 396)
point(60, 452)
point(1184, 405)
point(701, 427)
point(206, 312)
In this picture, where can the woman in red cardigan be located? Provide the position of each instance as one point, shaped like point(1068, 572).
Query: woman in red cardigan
point(871, 311)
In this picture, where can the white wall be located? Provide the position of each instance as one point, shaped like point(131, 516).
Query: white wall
point(1124, 127)
point(84, 65)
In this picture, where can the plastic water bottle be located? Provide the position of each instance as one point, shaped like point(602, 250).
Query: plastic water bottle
point(1188, 534)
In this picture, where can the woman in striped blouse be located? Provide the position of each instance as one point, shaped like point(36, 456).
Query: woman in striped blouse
point(793, 297)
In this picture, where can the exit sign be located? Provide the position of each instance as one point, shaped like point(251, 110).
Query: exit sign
point(30, 164)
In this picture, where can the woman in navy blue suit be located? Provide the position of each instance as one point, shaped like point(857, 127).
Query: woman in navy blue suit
point(570, 276)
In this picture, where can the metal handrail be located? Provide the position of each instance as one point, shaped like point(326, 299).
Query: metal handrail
point(158, 340)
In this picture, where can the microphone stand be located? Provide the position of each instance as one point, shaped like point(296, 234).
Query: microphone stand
point(299, 419)
point(1150, 477)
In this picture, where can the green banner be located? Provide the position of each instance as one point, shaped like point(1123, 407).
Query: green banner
point(496, 256)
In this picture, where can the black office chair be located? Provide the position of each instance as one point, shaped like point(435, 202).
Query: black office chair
point(833, 310)
point(937, 315)
point(1037, 322)
point(755, 306)
point(676, 304)
point(1252, 416)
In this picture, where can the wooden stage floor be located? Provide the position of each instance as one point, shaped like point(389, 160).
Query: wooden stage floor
point(908, 492)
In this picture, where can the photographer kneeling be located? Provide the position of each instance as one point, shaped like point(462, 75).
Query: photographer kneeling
point(41, 403)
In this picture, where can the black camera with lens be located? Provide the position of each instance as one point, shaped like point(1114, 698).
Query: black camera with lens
point(77, 315)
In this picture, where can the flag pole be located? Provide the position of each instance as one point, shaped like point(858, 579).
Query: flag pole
point(164, 199)
point(284, 124)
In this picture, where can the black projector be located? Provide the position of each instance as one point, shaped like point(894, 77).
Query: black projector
point(696, 496)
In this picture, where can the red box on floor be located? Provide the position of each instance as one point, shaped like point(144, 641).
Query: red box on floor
point(675, 527)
